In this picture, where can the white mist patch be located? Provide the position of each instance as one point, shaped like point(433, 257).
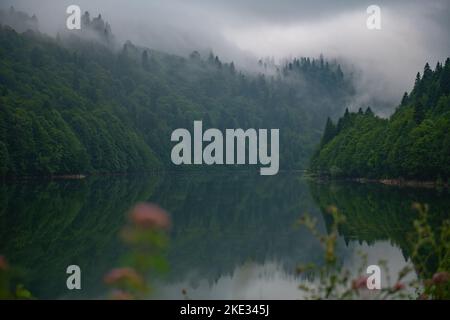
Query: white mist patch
point(387, 59)
point(376, 252)
point(413, 32)
point(248, 281)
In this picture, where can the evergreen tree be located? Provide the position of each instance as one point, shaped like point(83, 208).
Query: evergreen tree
point(397, 147)
point(404, 99)
point(346, 113)
point(91, 109)
point(427, 73)
point(329, 132)
point(417, 85)
point(369, 112)
point(232, 68)
point(419, 112)
point(444, 82)
point(85, 20)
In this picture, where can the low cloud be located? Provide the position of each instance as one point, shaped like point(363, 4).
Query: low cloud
point(384, 61)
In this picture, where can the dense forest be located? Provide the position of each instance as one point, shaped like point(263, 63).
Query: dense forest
point(82, 103)
point(414, 143)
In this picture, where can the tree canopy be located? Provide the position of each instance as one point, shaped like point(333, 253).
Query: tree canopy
point(414, 143)
point(75, 105)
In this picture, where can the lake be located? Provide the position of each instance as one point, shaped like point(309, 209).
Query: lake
point(234, 234)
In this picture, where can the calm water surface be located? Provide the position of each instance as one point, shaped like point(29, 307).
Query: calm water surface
point(234, 234)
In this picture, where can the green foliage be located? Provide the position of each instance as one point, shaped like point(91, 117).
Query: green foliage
point(434, 246)
point(329, 133)
point(146, 236)
point(334, 281)
point(35, 235)
point(72, 106)
point(414, 143)
point(10, 287)
point(377, 212)
point(49, 122)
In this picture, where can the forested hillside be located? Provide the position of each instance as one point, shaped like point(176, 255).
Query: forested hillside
point(414, 143)
point(75, 105)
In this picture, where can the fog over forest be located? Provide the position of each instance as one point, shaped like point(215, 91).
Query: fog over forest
point(384, 61)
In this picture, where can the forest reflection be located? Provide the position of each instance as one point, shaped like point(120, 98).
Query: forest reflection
point(226, 228)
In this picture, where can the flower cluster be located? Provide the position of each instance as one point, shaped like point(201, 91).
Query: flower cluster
point(146, 236)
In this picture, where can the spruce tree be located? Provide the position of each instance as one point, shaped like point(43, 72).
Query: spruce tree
point(445, 78)
point(369, 112)
point(417, 84)
point(419, 112)
point(329, 133)
point(404, 99)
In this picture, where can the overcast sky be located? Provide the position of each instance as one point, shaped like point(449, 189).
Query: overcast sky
point(413, 32)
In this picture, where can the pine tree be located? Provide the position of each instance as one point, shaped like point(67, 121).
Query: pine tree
point(218, 62)
point(369, 112)
point(321, 64)
point(329, 133)
point(419, 112)
point(195, 55)
point(427, 73)
point(444, 82)
point(86, 19)
point(438, 69)
point(343, 121)
point(404, 99)
point(417, 85)
point(232, 68)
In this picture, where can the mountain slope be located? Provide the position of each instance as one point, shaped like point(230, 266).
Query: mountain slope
point(413, 144)
point(74, 105)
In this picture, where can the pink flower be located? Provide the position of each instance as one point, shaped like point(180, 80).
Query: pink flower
point(121, 295)
point(123, 274)
point(441, 277)
point(359, 283)
point(423, 296)
point(149, 216)
point(398, 286)
point(3, 263)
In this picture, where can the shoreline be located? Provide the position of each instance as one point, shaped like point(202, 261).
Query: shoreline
point(78, 176)
point(404, 183)
point(398, 182)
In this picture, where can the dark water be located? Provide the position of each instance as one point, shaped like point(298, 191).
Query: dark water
point(234, 234)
